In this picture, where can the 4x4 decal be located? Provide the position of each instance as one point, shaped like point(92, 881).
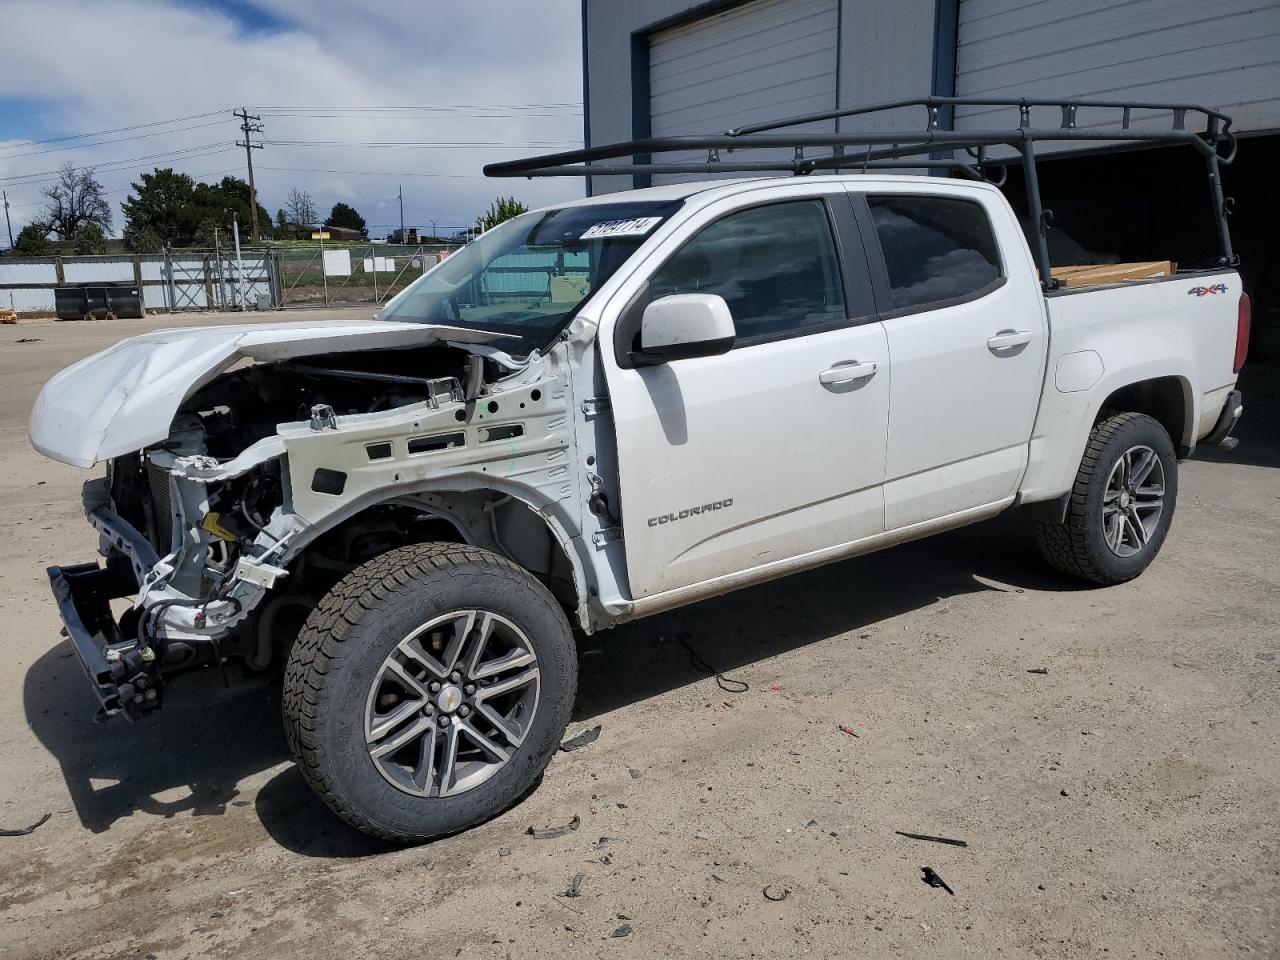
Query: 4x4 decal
point(1205, 291)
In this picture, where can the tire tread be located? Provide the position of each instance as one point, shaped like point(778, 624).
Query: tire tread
point(319, 648)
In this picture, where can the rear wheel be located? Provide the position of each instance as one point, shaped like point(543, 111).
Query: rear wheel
point(1121, 504)
point(428, 690)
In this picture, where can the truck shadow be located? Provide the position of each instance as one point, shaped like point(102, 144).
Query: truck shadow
point(192, 756)
point(1259, 439)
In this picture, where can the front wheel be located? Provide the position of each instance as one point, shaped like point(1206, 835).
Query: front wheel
point(1121, 505)
point(428, 690)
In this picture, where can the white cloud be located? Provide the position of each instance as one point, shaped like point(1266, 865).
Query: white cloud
point(148, 60)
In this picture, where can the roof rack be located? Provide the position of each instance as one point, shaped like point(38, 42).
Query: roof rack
point(933, 147)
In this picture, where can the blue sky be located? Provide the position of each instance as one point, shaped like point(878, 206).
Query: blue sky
point(312, 68)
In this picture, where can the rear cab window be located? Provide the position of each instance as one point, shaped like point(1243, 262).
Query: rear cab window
point(937, 250)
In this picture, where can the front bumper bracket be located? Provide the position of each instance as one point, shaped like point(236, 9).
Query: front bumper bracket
point(121, 670)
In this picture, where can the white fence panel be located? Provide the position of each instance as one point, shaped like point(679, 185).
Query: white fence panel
point(97, 269)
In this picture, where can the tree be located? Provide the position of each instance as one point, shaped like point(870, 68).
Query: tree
point(76, 198)
point(228, 200)
point(142, 239)
point(302, 209)
point(164, 203)
point(88, 239)
point(282, 222)
point(206, 236)
point(501, 210)
point(180, 211)
point(345, 215)
point(33, 240)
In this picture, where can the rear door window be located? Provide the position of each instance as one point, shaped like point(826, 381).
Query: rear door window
point(936, 249)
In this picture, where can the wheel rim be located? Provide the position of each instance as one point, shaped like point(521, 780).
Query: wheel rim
point(452, 703)
point(1133, 501)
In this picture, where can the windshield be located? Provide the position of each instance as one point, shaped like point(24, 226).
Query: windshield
point(528, 277)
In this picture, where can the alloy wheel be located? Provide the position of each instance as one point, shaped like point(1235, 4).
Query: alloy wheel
point(452, 703)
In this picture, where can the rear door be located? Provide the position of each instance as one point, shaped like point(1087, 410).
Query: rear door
point(966, 327)
point(775, 449)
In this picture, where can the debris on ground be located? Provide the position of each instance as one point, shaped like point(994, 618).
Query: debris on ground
point(30, 340)
point(847, 730)
point(26, 830)
point(1039, 670)
point(812, 823)
point(931, 838)
point(776, 893)
point(726, 684)
point(550, 833)
point(580, 740)
point(777, 687)
point(504, 851)
point(575, 886)
point(635, 774)
point(602, 843)
point(931, 877)
point(620, 932)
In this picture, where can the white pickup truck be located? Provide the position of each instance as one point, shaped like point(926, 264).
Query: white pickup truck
point(597, 412)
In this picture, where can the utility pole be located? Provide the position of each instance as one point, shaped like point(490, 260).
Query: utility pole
point(402, 237)
point(7, 223)
point(250, 125)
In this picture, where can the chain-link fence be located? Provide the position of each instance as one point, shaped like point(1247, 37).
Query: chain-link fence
point(351, 273)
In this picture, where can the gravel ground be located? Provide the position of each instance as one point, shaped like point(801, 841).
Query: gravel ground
point(1121, 804)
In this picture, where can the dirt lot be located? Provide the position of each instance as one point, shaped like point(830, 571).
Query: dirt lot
point(1123, 804)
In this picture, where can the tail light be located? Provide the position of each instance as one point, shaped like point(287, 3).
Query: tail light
point(1243, 321)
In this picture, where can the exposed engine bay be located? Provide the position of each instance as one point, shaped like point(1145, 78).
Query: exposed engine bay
point(279, 478)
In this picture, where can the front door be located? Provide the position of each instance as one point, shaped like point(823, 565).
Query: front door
point(777, 448)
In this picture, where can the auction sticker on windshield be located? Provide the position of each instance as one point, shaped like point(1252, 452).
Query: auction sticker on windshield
point(635, 227)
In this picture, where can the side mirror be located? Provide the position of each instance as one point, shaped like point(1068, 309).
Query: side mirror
point(684, 325)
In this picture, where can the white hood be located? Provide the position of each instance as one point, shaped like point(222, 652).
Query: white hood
point(125, 397)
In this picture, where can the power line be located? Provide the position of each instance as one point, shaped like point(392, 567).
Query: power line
point(379, 173)
point(338, 115)
point(188, 152)
point(425, 107)
point(136, 126)
point(103, 143)
point(425, 144)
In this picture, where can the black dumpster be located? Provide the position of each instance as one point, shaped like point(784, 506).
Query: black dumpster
point(102, 300)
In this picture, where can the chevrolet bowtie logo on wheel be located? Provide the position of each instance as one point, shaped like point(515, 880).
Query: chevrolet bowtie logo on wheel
point(1205, 291)
point(691, 512)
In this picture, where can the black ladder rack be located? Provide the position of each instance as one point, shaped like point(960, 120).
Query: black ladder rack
point(932, 147)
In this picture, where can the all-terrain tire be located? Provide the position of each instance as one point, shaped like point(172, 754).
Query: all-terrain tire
point(340, 653)
point(1078, 546)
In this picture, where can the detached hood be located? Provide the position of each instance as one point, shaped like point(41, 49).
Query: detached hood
point(125, 397)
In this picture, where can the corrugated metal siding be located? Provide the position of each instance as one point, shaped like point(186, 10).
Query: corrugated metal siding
point(1223, 54)
point(529, 274)
point(762, 60)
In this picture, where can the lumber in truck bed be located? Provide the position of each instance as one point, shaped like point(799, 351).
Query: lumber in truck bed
point(1088, 275)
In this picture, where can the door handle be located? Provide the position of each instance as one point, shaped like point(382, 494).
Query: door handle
point(1008, 339)
point(847, 372)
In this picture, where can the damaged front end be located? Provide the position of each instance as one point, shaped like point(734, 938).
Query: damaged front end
point(222, 536)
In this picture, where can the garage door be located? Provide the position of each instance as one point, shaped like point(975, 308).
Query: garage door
point(759, 61)
point(1221, 54)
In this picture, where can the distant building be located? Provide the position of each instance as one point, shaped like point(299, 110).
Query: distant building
point(342, 233)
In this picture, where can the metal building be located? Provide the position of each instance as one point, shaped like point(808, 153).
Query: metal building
point(669, 67)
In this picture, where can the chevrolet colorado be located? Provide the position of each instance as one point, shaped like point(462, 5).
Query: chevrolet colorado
point(596, 412)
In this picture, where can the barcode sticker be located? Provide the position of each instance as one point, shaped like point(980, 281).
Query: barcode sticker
point(635, 227)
